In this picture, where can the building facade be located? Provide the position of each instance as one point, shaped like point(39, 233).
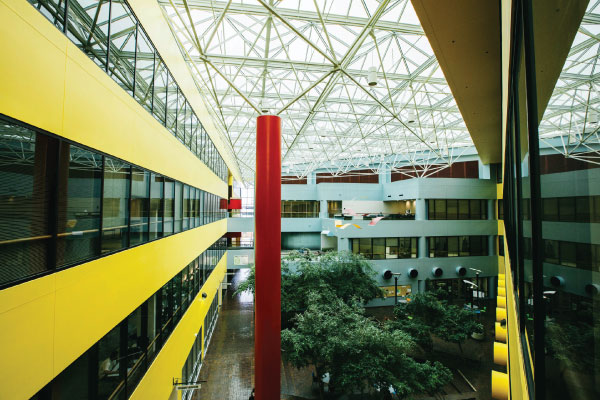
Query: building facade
point(111, 253)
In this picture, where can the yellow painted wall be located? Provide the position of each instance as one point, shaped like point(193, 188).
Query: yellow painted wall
point(46, 323)
point(158, 381)
point(49, 83)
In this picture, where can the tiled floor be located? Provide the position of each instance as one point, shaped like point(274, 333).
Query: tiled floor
point(228, 368)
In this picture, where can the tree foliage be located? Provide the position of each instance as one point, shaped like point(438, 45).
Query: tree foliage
point(345, 274)
point(425, 314)
point(359, 354)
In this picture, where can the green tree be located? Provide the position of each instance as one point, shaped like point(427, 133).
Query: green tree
point(345, 274)
point(358, 353)
point(425, 314)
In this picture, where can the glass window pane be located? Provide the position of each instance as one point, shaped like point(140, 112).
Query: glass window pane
point(115, 205)
point(27, 165)
point(140, 200)
point(93, 41)
point(566, 207)
point(391, 248)
point(178, 206)
point(475, 209)
point(440, 209)
point(463, 209)
point(156, 206)
point(453, 246)
point(169, 204)
point(186, 207)
point(144, 70)
point(378, 248)
point(464, 249)
point(583, 209)
point(198, 195)
point(452, 205)
point(122, 49)
point(365, 247)
point(172, 103)
point(568, 254)
point(79, 205)
point(550, 209)
point(109, 358)
point(160, 90)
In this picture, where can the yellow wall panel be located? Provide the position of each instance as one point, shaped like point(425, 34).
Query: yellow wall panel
point(51, 84)
point(31, 76)
point(26, 339)
point(158, 381)
point(46, 323)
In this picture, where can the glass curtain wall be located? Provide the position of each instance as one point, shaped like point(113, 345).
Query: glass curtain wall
point(551, 186)
point(62, 204)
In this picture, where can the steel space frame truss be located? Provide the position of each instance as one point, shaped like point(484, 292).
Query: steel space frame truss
point(308, 61)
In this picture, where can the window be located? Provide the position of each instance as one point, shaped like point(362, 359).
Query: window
point(391, 248)
point(79, 201)
point(186, 207)
point(452, 209)
point(140, 202)
point(453, 242)
point(26, 184)
point(566, 207)
point(178, 206)
point(550, 209)
point(455, 246)
point(198, 207)
point(169, 206)
point(551, 251)
point(53, 217)
point(156, 206)
point(365, 247)
point(463, 209)
point(440, 209)
point(385, 248)
point(378, 248)
point(115, 205)
point(457, 209)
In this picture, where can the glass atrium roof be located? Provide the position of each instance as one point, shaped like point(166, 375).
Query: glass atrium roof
point(571, 121)
point(308, 62)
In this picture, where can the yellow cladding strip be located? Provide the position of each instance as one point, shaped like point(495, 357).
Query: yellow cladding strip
point(157, 383)
point(46, 323)
point(151, 17)
point(500, 386)
point(516, 365)
point(49, 83)
point(500, 353)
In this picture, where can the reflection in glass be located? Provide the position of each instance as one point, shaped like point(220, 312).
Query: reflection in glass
point(26, 183)
point(80, 178)
point(115, 215)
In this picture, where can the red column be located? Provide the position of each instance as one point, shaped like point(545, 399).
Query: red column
point(267, 253)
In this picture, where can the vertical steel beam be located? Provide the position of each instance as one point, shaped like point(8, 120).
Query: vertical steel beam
point(267, 337)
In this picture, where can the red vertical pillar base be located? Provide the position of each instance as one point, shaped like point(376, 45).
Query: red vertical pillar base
point(267, 253)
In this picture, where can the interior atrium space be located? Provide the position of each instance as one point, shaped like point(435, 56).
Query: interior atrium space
point(285, 199)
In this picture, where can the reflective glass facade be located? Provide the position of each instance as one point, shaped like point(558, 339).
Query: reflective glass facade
point(62, 204)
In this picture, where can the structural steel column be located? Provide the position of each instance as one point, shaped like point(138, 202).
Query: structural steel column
point(267, 251)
